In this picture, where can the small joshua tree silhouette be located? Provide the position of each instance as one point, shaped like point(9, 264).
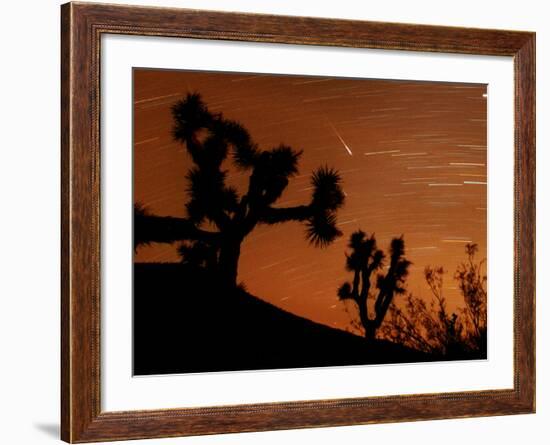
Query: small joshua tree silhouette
point(364, 260)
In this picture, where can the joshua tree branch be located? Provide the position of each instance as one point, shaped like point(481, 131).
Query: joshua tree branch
point(275, 215)
point(221, 219)
point(168, 229)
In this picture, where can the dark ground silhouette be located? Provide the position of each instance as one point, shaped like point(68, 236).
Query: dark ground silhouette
point(182, 325)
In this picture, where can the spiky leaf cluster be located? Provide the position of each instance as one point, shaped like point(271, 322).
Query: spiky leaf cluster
point(327, 198)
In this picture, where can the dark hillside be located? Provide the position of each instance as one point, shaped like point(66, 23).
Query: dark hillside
point(182, 326)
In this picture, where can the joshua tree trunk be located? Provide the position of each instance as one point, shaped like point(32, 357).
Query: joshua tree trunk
point(229, 262)
point(370, 330)
point(364, 318)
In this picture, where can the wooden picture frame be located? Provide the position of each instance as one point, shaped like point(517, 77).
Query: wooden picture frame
point(82, 26)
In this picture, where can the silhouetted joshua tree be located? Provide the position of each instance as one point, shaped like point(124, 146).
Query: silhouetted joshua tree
point(218, 219)
point(365, 259)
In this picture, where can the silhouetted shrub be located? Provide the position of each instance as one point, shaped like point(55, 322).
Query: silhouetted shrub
point(429, 327)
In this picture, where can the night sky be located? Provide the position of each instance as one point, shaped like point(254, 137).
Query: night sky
point(412, 156)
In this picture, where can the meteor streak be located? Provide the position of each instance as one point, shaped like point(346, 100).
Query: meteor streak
point(341, 140)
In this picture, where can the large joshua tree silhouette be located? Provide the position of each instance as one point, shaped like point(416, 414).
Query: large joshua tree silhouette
point(218, 219)
point(364, 260)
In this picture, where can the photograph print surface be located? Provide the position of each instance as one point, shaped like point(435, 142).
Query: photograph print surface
point(301, 221)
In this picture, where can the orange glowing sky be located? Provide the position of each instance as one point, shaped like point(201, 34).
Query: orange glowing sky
point(412, 156)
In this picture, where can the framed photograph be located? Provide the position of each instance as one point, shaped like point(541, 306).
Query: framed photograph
point(275, 222)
